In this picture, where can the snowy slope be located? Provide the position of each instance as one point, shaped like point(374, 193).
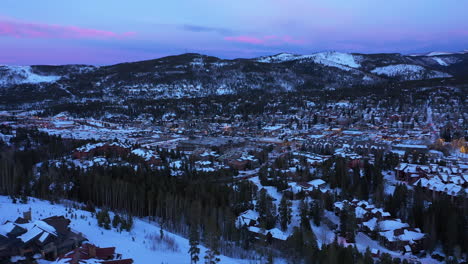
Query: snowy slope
point(139, 249)
point(282, 57)
point(408, 72)
point(440, 61)
point(331, 58)
point(23, 74)
point(334, 59)
point(438, 53)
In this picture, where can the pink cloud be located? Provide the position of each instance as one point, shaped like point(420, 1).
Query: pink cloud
point(20, 29)
point(269, 40)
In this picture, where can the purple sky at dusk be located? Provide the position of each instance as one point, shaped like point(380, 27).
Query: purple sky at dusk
point(111, 31)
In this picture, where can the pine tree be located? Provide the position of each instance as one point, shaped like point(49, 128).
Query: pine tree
point(316, 212)
point(103, 219)
point(304, 214)
point(348, 223)
point(212, 240)
point(368, 257)
point(266, 209)
point(285, 212)
point(211, 256)
point(194, 241)
point(116, 221)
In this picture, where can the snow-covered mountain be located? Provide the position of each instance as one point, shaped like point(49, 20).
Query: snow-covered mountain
point(333, 59)
point(196, 75)
point(23, 74)
point(439, 53)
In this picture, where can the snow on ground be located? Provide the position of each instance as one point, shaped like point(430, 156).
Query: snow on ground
point(271, 190)
point(408, 72)
point(23, 74)
point(133, 244)
point(390, 182)
point(323, 234)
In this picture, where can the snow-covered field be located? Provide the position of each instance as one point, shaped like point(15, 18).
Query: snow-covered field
point(133, 244)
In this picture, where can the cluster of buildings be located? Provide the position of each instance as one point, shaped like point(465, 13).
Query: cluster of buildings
point(378, 224)
point(25, 240)
point(47, 238)
point(451, 179)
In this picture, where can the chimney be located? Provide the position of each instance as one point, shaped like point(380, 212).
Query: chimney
point(27, 215)
point(92, 251)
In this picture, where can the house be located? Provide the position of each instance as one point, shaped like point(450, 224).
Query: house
point(411, 172)
point(378, 224)
point(48, 237)
point(89, 253)
point(248, 218)
point(435, 179)
point(411, 148)
point(274, 236)
point(90, 150)
point(404, 239)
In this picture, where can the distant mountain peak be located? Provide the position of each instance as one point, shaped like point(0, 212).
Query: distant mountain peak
point(327, 58)
point(438, 53)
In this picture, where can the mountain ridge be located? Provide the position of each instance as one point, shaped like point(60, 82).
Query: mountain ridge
point(195, 75)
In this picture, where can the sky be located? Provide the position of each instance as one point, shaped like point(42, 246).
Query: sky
point(102, 32)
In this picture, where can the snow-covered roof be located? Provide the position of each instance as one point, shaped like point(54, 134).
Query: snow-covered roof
point(6, 228)
point(317, 182)
point(371, 224)
point(339, 205)
point(36, 228)
point(275, 232)
point(245, 217)
point(387, 225)
point(410, 146)
point(409, 235)
point(360, 212)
